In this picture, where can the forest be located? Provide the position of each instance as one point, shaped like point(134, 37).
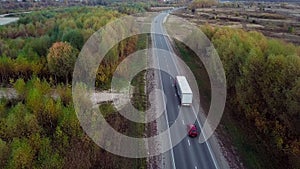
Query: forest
point(263, 83)
point(39, 128)
point(262, 113)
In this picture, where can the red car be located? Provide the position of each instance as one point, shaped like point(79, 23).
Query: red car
point(192, 130)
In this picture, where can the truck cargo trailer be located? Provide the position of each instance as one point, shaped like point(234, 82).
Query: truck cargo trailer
point(184, 91)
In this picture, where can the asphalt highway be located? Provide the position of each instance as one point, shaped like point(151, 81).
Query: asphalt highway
point(189, 153)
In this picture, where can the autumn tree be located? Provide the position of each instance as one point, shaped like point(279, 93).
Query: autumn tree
point(262, 91)
point(61, 59)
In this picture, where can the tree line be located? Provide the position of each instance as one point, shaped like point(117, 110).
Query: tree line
point(46, 44)
point(263, 84)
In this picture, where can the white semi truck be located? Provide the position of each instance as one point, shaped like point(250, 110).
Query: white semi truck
point(184, 91)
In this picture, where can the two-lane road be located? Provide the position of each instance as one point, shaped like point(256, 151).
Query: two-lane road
point(189, 153)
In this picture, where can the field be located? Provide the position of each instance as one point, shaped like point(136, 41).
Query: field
point(275, 20)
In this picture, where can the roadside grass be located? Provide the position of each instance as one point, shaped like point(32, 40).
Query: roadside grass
point(244, 144)
point(126, 127)
point(107, 109)
point(143, 40)
point(132, 129)
point(139, 101)
point(129, 128)
point(198, 69)
point(139, 98)
point(242, 139)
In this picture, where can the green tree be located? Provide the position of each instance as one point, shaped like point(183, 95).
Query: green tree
point(22, 154)
point(69, 123)
point(18, 123)
point(74, 37)
point(294, 100)
point(4, 152)
point(41, 45)
point(34, 101)
point(47, 157)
